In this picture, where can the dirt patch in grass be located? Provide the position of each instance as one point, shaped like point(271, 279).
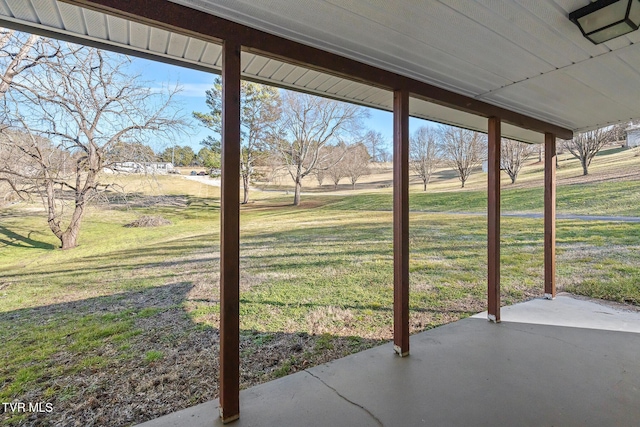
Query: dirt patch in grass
point(149, 221)
point(116, 200)
point(161, 362)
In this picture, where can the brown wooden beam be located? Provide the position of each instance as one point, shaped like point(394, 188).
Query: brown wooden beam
point(493, 226)
point(550, 158)
point(184, 20)
point(230, 236)
point(401, 222)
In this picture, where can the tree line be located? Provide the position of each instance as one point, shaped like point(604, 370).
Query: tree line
point(68, 112)
point(186, 156)
point(305, 135)
point(463, 150)
point(300, 134)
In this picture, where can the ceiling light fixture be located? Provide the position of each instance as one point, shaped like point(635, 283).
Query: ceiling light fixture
point(604, 20)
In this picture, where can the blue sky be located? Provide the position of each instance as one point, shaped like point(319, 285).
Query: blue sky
point(192, 98)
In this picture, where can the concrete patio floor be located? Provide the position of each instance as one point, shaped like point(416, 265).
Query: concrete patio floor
point(567, 362)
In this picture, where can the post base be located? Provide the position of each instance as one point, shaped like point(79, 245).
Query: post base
point(228, 420)
point(549, 296)
point(492, 318)
point(399, 352)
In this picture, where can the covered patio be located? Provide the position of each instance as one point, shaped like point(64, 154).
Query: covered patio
point(573, 362)
point(514, 69)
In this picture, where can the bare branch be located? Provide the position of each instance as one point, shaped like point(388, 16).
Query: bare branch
point(309, 124)
point(513, 154)
point(463, 150)
point(585, 146)
point(424, 154)
point(63, 122)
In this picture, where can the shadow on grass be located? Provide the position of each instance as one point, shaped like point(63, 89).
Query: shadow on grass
point(11, 238)
point(610, 151)
point(130, 259)
point(130, 357)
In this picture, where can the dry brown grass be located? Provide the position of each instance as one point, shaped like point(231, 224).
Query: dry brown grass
point(149, 221)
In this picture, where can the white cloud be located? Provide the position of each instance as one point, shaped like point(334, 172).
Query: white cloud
point(187, 90)
point(194, 90)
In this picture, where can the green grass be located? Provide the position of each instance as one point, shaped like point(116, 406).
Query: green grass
point(153, 356)
point(30, 347)
point(324, 270)
point(579, 199)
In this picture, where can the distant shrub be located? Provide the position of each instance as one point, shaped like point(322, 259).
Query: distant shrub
point(149, 221)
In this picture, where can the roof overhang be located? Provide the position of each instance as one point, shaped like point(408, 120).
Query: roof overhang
point(566, 85)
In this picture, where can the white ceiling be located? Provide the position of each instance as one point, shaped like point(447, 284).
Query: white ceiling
point(523, 55)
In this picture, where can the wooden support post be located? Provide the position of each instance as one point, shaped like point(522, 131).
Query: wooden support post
point(230, 236)
point(493, 226)
point(549, 215)
point(401, 222)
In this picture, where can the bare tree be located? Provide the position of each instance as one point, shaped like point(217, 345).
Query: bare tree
point(424, 153)
point(385, 156)
point(17, 168)
point(619, 132)
point(271, 162)
point(356, 162)
point(462, 149)
point(584, 146)
point(75, 109)
point(125, 151)
point(259, 111)
point(328, 161)
point(375, 143)
point(19, 52)
point(513, 154)
point(309, 124)
point(540, 148)
point(336, 173)
point(320, 176)
point(336, 168)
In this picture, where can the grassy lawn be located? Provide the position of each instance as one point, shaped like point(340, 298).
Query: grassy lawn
point(125, 327)
point(579, 199)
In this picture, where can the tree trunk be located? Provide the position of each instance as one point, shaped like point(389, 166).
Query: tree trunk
point(513, 178)
point(245, 183)
point(69, 238)
point(52, 219)
point(296, 195)
point(585, 168)
point(463, 182)
point(424, 187)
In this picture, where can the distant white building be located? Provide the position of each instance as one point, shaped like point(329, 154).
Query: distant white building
point(633, 136)
point(160, 168)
